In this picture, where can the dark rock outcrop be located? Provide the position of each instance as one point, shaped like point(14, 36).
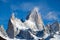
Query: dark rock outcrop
point(2, 38)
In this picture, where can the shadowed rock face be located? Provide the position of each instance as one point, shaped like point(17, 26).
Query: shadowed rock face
point(10, 30)
point(52, 28)
point(2, 38)
point(55, 27)
point(14, 26)
point(24, 34)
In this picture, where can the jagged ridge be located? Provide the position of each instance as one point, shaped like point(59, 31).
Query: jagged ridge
point(32, 28)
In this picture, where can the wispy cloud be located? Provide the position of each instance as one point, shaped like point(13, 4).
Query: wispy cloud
point(51, 16)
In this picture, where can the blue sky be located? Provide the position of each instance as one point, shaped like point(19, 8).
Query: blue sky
point(49, 10)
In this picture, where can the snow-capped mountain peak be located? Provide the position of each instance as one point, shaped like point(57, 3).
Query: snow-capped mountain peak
point(36, 9)
point(33, 28)
point(12, 16)
point(2, 32)
point(35, 18)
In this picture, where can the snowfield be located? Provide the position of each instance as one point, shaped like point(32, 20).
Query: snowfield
point(56, 37)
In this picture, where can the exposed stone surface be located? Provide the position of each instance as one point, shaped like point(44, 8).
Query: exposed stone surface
point(12, 30)
point(2, 31)
point(2, 38)
point(34, 21)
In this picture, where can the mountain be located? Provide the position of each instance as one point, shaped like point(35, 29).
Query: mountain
point(47, 29)
point(59, 28)
point(32, 28)
point(53, 30)
point(55, 27)
point(34, 21)
point(2, 32)
point(14, 26)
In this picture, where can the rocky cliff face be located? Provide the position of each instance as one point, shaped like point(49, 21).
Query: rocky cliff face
point(47, 29)
point(12, 29)
point(2, 31)
point(14, 26)
point(53, 28)
point(34, 20)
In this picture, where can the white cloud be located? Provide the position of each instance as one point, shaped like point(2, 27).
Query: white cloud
point(51, 16)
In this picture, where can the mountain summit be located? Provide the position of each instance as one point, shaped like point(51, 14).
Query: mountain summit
point(34, 20)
